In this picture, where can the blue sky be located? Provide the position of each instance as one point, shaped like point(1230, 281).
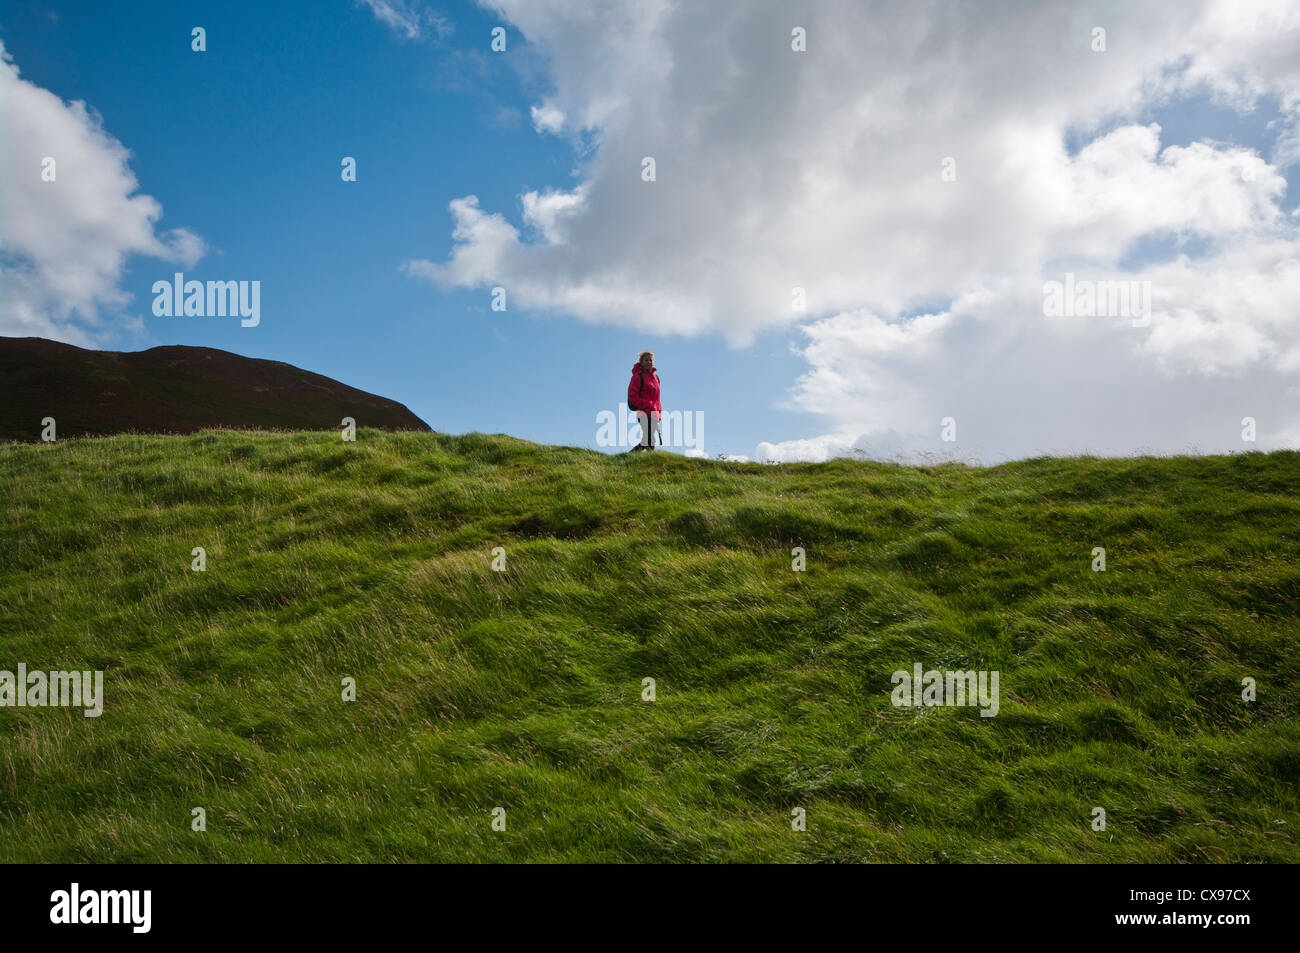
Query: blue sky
point(241, 146)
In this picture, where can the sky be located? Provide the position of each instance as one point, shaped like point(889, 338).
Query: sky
point(861, 224)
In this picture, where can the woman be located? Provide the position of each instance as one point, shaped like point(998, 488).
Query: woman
point(643, 397)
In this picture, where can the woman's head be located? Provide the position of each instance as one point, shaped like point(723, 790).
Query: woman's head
point(646, 359)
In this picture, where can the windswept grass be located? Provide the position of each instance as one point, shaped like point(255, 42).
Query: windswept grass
point(477, 689)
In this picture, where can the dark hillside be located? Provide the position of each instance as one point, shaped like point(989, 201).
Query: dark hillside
point(174, 389)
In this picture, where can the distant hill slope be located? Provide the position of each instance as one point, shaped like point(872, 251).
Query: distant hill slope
point(174, 389)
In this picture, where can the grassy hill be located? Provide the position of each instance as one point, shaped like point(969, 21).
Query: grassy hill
point(172, 389)
point(522, 689)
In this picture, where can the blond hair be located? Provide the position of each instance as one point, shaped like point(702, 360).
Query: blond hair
point(644, 353)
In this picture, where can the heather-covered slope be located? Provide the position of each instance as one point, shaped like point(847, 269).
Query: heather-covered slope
point(175, 389)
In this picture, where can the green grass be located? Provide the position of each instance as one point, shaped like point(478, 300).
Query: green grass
point(522, 689)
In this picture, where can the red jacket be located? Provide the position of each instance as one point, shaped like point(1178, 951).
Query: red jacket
point(643, 391)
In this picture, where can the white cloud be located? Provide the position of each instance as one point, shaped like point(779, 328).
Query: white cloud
point(1223, 344)
point(822, 170)
point(546, 118)
point(409, 19)
point(551, 211)
point(66, 242)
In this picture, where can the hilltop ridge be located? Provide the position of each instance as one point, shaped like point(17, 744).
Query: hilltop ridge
point(173, 389)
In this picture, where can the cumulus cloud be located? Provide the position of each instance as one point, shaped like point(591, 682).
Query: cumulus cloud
point(65, 242)
point(824, 171)
point(1221, 344)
